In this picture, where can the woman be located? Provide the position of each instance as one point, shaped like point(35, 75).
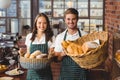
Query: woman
point(41, 39)
point(69, 69)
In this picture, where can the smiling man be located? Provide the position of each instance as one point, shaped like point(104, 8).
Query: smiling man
point(69, 69)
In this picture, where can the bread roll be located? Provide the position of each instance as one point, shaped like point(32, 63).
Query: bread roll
point(32, 56)
point(69, 42)
point(41, 56)
point(70, 50)
point(80, 50)
point(74, 49)
point(27, 55)
point(117, 55)
point(37, 52)
point(64, 44)
point(90, 45)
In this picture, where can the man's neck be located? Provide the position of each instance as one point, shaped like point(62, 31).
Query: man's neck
point(72, 31)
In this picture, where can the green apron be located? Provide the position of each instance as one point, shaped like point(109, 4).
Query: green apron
point(71, 70)
point(42, 74)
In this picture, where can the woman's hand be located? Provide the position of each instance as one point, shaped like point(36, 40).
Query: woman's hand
point(22, 51)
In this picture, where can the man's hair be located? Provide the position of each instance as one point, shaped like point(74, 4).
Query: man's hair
point(72, 11)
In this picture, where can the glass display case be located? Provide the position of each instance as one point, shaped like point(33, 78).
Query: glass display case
point(90, 12)
point(58, 8)
point(2, 12)
point(13, 19)
point(83, 8)
point(96, 14)
point(45, 7)
point(24, 8)
point(12, 10)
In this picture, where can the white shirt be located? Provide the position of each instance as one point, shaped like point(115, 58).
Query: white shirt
point(60, 38)
point(36, 41)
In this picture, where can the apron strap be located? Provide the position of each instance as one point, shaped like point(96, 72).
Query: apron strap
point(79, 32)
point(46, 42)
point(65, 35)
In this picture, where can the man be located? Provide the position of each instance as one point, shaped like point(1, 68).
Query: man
point(69, 69)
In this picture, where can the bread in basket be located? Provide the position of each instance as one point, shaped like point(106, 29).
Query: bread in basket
point(3, 68)
point(33, 62)
point(117, 57)
point(93, 57)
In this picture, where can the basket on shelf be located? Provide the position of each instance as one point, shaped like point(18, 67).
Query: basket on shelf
point(3, 68)
point(94, 57)
point(118, 62)
point(28, 63)
point(117, 57)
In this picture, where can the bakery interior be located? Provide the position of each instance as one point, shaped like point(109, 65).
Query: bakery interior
point(17, 17)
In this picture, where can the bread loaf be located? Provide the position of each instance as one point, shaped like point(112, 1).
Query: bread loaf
point(90, 45)
point(74, 49)
point(70, 50)
point(117, 55)
point(27, 55)
point(32, 56)
point(64, 44)
point(37, 52)
point(41, 56)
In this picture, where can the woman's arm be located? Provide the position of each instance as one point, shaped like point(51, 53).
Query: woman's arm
point(28, 50)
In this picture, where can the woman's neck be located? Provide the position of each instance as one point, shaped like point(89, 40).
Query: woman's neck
point(39, 35)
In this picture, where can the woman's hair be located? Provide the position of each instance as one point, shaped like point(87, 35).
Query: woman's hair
point(48, 31)
point(72, 11)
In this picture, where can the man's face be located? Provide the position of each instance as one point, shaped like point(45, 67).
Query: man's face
point(71, 21)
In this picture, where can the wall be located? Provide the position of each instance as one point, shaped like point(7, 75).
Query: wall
point(112, 23)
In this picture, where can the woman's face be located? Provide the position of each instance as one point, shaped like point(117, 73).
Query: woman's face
point(71, 21)
point(41, 24)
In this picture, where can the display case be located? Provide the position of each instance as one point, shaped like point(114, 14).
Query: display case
point(2, 25)
point(83, 8)
point(58, 8)
point(96, 13)
point(13, 19)
point(45, 7)
point(91, 12)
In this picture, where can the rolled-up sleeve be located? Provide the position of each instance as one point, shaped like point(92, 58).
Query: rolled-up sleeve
point(28, 41)
point(57, 44)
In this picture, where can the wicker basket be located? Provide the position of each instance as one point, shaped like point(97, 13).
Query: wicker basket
point(94, 57)
point(118, 62)
point(5, 69)
point(28, 63)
